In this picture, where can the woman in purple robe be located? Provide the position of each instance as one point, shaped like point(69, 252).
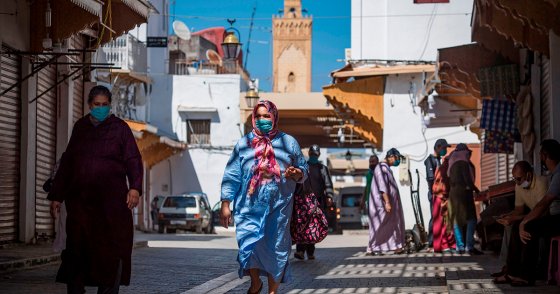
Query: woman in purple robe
point(100, 180)
point(385, 209)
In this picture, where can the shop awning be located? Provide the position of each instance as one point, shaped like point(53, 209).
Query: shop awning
point(377, 70)
point(526, 22)
point(342, 166)
point(72, 16)
point(360, 105)
point(109, 76)
point(458, 66)
point(153, 148)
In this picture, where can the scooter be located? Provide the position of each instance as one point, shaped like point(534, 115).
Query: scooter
point(417, 238)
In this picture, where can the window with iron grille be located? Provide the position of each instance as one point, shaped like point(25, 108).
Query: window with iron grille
point(430, 1)
point(198, 131)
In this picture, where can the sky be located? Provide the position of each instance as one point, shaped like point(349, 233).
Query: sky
point(330, 36)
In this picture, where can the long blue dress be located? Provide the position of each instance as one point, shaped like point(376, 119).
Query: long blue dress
point(263, 219)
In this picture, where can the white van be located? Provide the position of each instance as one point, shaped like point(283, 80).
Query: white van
point(187, 211)
point(348, 207)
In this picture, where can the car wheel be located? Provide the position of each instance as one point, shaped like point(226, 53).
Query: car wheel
point(208, 229)
point(199, 229)
point(161, 228)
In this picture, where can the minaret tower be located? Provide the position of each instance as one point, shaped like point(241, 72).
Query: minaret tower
point(292, 49)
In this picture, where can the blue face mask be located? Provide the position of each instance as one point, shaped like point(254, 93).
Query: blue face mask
point(101, 113)
point(313, 159)
point(263, 125)
point(443, 152)
point(397, 162)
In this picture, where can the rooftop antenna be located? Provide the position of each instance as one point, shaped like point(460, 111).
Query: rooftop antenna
point(249, 39)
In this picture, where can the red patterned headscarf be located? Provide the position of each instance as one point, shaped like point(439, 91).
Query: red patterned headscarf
point(266, 168)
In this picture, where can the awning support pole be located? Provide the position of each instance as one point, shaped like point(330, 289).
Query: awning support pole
point(58, 83)
point(36, 70)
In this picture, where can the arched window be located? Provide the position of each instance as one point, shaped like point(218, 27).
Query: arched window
point(291, 77)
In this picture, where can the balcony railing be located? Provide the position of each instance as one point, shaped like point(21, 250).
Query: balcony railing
point(188, 67)
point(128, 53)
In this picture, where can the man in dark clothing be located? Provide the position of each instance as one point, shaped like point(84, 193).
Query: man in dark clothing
point(432, 163)
point(319, 180)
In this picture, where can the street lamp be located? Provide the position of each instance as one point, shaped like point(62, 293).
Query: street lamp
point(231, 45)
point(252, 98)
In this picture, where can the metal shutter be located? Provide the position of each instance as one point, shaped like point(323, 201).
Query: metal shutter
point(46, 149)
point(77, 42)
point(545, 98)
point(10, 136)
point(487, 167)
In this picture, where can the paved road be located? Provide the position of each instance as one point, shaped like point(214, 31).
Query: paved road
point(187, 263)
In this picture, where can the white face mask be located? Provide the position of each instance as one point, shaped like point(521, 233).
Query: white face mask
point(526, 184)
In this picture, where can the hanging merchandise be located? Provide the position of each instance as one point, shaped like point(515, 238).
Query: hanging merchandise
point(499, 116)
point(499, 80)
point(498, 142)
point(526, 119)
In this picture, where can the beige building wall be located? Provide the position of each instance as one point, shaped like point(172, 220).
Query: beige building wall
point(292, 33)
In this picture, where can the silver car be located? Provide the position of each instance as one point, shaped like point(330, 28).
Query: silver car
point(189, 211)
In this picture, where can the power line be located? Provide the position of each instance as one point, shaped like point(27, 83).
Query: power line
point(212, 18)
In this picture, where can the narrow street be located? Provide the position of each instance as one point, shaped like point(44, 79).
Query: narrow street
point(188, 263)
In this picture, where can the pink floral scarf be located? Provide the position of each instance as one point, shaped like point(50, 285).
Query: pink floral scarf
point(266, 168)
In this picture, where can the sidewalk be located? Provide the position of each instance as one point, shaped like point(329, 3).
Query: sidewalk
point(14, 257)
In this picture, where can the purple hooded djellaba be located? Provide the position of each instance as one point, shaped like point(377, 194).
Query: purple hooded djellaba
point(387, 231)
point(92, 179)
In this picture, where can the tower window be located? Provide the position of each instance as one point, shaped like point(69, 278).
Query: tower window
point(291, 77)
point(292, 10)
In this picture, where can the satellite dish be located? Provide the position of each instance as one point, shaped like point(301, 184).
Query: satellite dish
point(213, 57)
point(181, 30)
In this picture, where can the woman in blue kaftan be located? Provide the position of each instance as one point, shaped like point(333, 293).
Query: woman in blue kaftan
point(260, 178)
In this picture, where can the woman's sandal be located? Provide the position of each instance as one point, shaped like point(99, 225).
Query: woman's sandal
point(377, 253)
point(370, 253)
point(507, 280)
point(258, 292)
point(400, 252)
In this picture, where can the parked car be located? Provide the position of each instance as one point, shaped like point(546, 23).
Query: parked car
point(189, 211)
point(216, 213)
point(348, 207)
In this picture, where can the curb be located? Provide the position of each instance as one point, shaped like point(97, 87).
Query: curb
point(42, 261)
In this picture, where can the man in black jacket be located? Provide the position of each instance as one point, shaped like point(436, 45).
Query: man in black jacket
point(432, 163)
point(319, 181)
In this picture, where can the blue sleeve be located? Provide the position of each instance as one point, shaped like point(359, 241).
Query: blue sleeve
point(233, 176)
point(300, 161)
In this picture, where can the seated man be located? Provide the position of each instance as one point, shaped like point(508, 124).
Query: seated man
point(542, 222)
point(530, 188)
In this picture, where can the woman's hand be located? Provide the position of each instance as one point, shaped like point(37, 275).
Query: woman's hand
point(387, 207)
point(362, 205)
point(225, 214)
point(55, 208)
point(293, 173)
point(132, 198)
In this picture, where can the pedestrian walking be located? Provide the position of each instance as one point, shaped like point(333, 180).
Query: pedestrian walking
point(154, 212)
point(432, 163)
point(373, 162)
point(319, 180)
point(463, 212)
point(260, 179)
point(387, 231)
point(443, 239)
point(100, 179)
